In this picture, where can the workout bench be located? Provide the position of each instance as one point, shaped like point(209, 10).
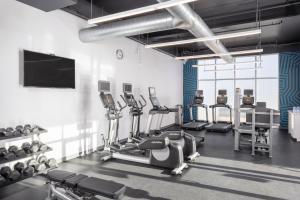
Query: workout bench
point(65, 185)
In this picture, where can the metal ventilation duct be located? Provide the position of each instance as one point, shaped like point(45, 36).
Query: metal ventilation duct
point(182, 16)
point(198, 27)
point(130, 27)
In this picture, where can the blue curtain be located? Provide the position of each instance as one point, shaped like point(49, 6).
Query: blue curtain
point(289, 84)
point(190, 76)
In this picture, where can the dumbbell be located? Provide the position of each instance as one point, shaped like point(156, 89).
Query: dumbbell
point(6, 154)
point(51, 162)
point(9, 131)
point(35, 130)
point(18, 130)
point(43, 147)
point(15, 175)
point(5, 172)
point(27, 126)
point(28, 171)
point(42, 160)
point(8, 174)
point(20, 153)
point(2, 132)
point(13, 149)
point(27, 129)
point(2, 180)
point(35, 146)
point(26, 146)
point(37, 166)
point(3, 151)
point(19, 166)
point(11, 154)
point(33, 163)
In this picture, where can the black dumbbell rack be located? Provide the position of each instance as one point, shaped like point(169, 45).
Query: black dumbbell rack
point(3, 161)
point(22, 178)
point(21, 137)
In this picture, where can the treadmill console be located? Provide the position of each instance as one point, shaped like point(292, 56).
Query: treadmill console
point(222, 97)
point(248, 98)
point(153, 98)
point(198, 98)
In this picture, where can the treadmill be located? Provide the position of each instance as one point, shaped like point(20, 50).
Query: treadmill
point(196, 125)
point(220, 126)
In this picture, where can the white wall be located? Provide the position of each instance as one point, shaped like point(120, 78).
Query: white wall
point(75, 118)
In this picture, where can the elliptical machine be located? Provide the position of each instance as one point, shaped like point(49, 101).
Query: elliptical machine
point(185, 140)
point(136, 111)
point(157, 151)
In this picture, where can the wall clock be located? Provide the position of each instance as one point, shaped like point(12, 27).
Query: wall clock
point(119, 54)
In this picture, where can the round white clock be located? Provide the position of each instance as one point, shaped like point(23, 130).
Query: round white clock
point(119, 54)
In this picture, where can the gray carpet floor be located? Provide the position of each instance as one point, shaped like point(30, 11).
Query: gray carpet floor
point(221, 174)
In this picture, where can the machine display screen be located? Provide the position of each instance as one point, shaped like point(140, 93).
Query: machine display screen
point(103, 86)
point(127, 88)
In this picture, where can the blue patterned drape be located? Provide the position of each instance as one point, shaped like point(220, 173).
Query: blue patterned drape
point(190, 76)
point(289, 84)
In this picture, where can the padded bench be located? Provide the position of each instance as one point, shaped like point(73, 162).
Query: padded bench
point(85, 184)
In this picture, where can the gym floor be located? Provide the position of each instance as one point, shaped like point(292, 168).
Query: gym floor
point(220, 173)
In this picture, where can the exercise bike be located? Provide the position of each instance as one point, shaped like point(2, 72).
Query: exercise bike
point(157, 151)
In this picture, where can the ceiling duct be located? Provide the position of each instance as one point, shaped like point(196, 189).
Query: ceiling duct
point(182, 16)
point(129, 27)
point(198, 28)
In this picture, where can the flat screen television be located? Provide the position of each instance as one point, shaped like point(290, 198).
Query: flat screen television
point(50, 71)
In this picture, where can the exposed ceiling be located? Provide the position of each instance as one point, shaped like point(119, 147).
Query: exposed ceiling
point(279, 20)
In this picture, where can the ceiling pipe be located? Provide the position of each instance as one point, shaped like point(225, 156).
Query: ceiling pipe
point(133, 26)
point(198, 28)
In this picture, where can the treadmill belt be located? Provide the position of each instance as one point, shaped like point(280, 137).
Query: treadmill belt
point(219, 127)
point(194, 125)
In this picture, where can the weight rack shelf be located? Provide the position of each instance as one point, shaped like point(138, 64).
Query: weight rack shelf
point(8, 182)
point(4, 161)
point(21, 137)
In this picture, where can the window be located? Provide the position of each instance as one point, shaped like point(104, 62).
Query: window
point(245, 67)
point(245, 73)
point(267, 91)
point(269, 66)
point(224, 70)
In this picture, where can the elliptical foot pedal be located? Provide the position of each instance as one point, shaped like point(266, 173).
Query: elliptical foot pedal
point(178, 171)
point(192, 158)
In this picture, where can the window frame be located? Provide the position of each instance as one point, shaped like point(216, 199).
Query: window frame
point(255, 78)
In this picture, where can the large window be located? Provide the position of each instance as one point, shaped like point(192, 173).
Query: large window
point(246, 72)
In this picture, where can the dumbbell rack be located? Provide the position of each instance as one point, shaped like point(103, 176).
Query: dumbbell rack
point(22, 137)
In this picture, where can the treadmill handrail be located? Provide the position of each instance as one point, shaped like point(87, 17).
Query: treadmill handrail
point(198, 105)
point(220, 106)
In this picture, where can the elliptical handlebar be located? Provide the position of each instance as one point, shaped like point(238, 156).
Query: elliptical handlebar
point(120, 105)
point(142, 104)
point(166, 108)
